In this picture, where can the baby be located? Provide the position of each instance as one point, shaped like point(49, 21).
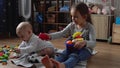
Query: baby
point(32, 43)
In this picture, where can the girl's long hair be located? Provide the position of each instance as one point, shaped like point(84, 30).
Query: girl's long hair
point(83, 9)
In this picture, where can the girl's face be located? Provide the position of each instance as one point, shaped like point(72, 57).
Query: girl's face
point(77, 18)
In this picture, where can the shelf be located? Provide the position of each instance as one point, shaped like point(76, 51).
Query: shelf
point(57, 12)
point(51, 15)
point(56, 23)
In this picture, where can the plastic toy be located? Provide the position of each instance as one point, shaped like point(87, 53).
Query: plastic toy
point(77, 36)
point(4, 62)
point(69, 43)
point(5, 52)
point(1, 53)
point(1, 49)
point(44, 36)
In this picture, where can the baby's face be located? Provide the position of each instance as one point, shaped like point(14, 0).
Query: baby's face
point(24, 35)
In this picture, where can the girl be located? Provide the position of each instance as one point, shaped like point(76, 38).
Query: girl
point(81, 22)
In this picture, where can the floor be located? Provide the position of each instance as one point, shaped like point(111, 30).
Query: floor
point(107, 57)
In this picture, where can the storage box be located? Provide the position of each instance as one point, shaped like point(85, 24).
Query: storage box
point(116, 33)
point(117, 20)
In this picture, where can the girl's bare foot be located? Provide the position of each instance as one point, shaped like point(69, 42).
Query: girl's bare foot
point(47, 62)
point(51, 63)
point(57, 64)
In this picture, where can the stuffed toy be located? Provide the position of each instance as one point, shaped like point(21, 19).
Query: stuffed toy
point(34, 58)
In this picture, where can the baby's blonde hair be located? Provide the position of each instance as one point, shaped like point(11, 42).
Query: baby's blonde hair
point(23, 26)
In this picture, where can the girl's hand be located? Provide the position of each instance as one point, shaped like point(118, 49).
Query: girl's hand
point(44, 36)
point(79, 44)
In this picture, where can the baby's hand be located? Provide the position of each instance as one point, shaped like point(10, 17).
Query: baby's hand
point(17, 50)
point(13, 55)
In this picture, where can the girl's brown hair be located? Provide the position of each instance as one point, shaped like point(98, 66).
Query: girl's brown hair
point(83, 9)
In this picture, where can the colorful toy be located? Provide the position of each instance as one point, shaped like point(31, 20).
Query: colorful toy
point(69, 43)
point(4, 62)
point(77, 36)
point(44, 36)
point(1, 53)
point(5, 52)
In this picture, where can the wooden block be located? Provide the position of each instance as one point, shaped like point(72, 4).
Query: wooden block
point(116, 33)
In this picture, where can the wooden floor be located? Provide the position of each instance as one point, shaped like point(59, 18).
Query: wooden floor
point(108, 55)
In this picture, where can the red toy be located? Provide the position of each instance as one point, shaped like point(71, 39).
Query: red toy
point(44, 36)
point(1, 53)
point(69, 43)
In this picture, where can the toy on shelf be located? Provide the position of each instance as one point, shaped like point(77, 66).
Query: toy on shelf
point(77, 36)
point(5, 52)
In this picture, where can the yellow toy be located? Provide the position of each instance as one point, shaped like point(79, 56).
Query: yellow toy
point(77, 36)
